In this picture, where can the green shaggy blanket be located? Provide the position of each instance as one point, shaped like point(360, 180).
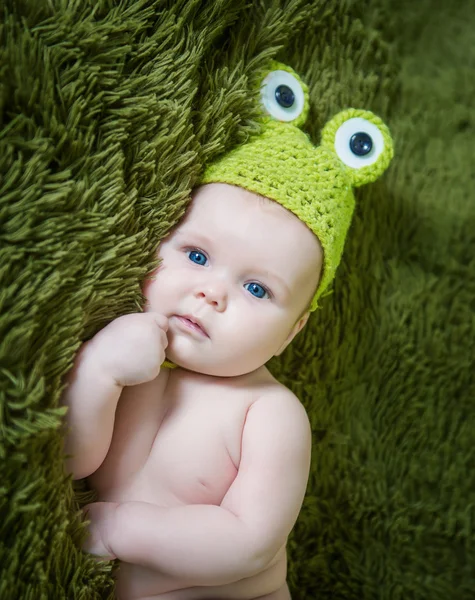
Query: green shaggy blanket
point(110, 109)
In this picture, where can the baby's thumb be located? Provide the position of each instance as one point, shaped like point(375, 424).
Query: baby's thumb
point(161, 321)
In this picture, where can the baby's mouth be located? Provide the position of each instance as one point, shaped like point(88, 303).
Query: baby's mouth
point(193, 324)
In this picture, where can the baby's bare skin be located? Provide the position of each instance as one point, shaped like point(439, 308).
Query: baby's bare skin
point(200, 479)
point(190, 455)
point(200, 471)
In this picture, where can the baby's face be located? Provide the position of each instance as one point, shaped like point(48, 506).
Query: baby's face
point(236, 276)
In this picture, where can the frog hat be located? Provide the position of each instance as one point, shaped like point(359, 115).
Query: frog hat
point(314, 182)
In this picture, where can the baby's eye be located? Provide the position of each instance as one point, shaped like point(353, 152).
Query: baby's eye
point(197, 257)
point(257, 290)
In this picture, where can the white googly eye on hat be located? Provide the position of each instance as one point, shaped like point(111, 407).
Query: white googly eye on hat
point(361, 141)
point(284, 96)
point(358, 143)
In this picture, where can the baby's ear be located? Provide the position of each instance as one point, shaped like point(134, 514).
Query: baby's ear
point(295, 329)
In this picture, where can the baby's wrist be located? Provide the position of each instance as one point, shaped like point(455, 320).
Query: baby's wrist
point(96, 364)
point(102, 516)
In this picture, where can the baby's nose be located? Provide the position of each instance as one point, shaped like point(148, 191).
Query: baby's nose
point(215, 294)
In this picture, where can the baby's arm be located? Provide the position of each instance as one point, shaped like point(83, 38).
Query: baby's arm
point(128, 351)
point(215, 545)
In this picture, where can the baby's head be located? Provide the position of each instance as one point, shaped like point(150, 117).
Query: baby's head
point(244, 268)
point(264, 234)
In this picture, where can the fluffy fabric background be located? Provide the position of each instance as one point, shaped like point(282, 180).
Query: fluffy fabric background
point(109, 112)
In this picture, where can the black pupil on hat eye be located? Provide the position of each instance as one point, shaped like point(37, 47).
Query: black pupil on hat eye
point(284, 96)
point(361, 143)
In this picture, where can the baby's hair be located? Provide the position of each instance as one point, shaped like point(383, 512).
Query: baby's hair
point(264, 200)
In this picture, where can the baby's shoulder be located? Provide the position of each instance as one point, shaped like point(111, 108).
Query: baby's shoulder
point(266, 384)
point(271, 396)
point(259, 387)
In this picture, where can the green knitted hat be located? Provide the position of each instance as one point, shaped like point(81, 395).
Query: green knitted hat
point(314, 182)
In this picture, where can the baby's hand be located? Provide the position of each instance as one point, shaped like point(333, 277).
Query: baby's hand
point(100, 516)
point(132, 347)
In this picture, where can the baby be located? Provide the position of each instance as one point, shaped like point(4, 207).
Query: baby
point(201, 463)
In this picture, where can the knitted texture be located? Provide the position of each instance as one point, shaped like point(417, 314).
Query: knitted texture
point(315, 183)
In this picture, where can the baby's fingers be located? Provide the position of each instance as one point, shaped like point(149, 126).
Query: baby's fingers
point(160, 320)
point(100, 515)
point(163, 339)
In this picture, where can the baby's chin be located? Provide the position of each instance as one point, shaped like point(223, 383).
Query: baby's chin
point(206, 366)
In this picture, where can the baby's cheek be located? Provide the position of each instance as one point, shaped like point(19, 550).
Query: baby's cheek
point(262, 338)
point(147, 286)
point(277, 335)
point(155, 286)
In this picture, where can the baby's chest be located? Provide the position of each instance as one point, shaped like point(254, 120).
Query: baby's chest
point(196, 452)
